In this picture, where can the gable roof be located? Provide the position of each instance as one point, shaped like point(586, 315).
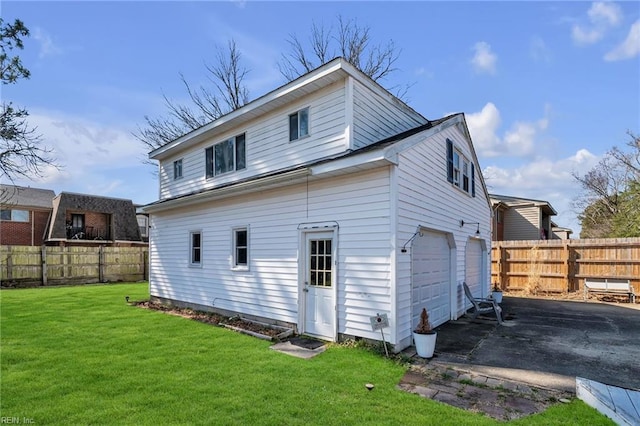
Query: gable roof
point(22, 196)
point(522, 202)
point(335, 70)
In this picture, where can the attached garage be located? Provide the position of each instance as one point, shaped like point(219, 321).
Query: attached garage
point(431, 277)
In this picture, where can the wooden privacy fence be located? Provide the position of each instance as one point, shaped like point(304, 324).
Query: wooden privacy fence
point(562, 265)
point(26, 266)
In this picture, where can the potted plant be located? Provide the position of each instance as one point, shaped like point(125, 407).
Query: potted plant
point(424, 337)
point(496, 293)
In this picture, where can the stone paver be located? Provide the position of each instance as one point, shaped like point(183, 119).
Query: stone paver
point(498, 398)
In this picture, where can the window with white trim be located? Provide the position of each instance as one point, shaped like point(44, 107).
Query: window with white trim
point(460, 171)
point(227, 156)
point(177, 169)
point(195, 245)
point(241, 248)
point(299, 124)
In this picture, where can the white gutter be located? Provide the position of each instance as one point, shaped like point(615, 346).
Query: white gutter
point(234, 189)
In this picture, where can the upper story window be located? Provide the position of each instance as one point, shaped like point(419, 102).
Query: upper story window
point(227, 156)
point(299, 124)
point(14, 215)
point(460, 171)
point(177, 169)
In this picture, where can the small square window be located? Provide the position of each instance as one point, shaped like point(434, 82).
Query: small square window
point(177, 169)
point(299, 124)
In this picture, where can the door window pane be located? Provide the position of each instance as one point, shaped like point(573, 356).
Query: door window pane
point(320, 263)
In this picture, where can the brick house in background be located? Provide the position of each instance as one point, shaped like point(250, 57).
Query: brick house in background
point(81, 219)
point(24, 214)
point(31, 216)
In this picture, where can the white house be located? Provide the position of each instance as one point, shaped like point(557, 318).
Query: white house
point(321, 204)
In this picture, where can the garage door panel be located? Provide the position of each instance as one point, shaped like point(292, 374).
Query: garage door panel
point(473, 267)
point(430, 278)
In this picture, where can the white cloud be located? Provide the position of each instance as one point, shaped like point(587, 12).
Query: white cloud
point(538, 50)
point(47, 46)
point(483, 127)
point(484, 60)
point(518, 141)
point(602, 16)
point(95, 158)
point(605, 13)
point(629, 48)
point(544, 179)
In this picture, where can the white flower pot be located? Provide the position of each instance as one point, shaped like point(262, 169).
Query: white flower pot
point(425, 344)
point(497, 296)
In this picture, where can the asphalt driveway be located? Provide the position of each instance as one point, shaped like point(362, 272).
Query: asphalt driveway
point(550, 340)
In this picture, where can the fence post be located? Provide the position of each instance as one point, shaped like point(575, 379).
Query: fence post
point(43, 263)
point(9, 264)
point(101, 264)
point(502, 267)
point(145, 268)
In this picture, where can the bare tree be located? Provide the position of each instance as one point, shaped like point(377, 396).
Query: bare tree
point(630, 159)
point(609, 200)
point(350, 41)
point(22, 153)
point(226, 76)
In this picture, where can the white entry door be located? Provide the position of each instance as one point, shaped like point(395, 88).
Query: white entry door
point(318, 287)
point(431, 278)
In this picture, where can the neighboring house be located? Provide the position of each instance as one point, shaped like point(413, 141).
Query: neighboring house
point(143, 223)
point(517, 218)
point(89, 219)
point(560, 233)
point(24, 214)
point(319, 205)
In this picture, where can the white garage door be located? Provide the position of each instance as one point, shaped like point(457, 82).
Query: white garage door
point(473, 269)
point(431, 277)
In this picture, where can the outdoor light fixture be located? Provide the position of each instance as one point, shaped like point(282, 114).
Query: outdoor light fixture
point(404, 246)
point(462, 223)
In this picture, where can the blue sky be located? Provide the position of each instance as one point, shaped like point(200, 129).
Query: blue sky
point(547, 87)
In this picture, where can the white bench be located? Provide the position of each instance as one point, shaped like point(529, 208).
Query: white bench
point(609, 286)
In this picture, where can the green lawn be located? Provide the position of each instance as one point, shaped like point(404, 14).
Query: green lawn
point(82, 355)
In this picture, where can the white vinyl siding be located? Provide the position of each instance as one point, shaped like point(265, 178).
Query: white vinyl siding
point(424, 197)
point(267, 145)
point(376, 118)
point(358, 203)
